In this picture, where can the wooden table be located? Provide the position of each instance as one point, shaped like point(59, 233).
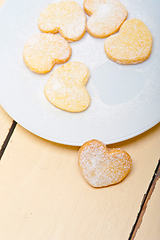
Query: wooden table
point(44, 196)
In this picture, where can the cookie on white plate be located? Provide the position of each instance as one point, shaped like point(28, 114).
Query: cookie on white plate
point(65, 17)
point(43, 50)
point(66, 89)
point(106, 17)
point(131, 45)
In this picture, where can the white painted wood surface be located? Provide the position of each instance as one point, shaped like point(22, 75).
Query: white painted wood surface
point(44, 196)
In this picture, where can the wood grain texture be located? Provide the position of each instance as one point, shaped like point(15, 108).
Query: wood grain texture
point(150, 227)
point(145, 202)
point(44, 196)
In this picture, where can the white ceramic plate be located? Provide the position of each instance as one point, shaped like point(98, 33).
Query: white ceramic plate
point(125, 99)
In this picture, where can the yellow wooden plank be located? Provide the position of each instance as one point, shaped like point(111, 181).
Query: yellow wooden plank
point(44, 196)
point(1, 2)
point(5, 124)
point(150, 227)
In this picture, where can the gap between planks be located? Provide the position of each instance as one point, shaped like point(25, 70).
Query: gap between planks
point(146, 197)
point(6, 141)
point(144, 203)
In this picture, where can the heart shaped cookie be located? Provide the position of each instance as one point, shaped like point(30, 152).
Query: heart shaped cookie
point(65, 88)
point(65, 17)
point(106, 17)
point(42, 51)
point(101, 166)
point(131, 45)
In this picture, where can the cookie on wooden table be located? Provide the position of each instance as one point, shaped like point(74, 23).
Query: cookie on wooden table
point(101, 166)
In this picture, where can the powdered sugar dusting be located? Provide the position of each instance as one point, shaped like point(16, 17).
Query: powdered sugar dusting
point(133, 43)
point(107, 16)
point(66, 17)
point(66, 87)
point(109, 123)
point(43, 51)
point(101, 166)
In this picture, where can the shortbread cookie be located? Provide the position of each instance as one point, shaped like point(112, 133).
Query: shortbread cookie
point(106, 17)
point(65, 17)
point(101, 166)
point(42, 51)
point(131, 45)
point(65, 88)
